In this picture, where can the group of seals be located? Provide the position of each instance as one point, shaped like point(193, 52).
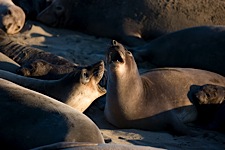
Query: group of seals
point(144, 101)
point(31, 120)
point(131, 21)
point(198, 47)
point(78, 88)
point(12, 17)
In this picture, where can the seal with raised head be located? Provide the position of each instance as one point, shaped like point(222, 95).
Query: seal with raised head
point(77, 89)
point(129, 21)
point(155, 100)
point(198, 47)
point(12, 18)
point(30, 119)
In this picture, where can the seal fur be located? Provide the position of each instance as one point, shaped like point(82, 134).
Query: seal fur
point(144, 101)
point(198, 47)
point(12, 17)
point(77, 89)
point(30, 119)
point(129, 21)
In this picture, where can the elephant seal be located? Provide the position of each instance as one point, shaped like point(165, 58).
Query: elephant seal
point(30, 119)
point(42, 69)
point(32, 8)
point(12, 18)
point(211, 106)
point(92, 146)
point(26, 55)
point(198, 47)
point(8, 64)
point(129, 21)
point(77, 89)
point(156, 100)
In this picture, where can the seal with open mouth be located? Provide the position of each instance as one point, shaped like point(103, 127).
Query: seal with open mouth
point(155, 100)
point(77, 89)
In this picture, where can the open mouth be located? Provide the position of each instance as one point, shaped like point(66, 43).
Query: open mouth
point(100, 76)
point(115, 56)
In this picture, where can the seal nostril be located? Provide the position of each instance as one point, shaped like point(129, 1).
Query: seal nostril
point(9, 12)
point(114, 43)
point(8, 26)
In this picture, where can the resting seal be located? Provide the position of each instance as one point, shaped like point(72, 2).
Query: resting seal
point(12, 17)
point(26, 56)
point(77, 89)
point(156, 100)
point(30, 119)
point(211, 101)
point(32, 7)
point(198, 47)
point(129, 21)
point(44, 70)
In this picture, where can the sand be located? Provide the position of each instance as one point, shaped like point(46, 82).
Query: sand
point(86, 49)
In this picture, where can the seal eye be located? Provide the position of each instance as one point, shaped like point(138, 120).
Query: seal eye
point(59, 10)
point(84, 78)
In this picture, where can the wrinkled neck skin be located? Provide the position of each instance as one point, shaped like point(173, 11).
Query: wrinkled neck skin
point(120, 99)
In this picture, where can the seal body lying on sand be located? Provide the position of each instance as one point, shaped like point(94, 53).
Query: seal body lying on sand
point(77, 89)
point(211, 101)
point(30, 119)
point(130, 21)
point(93, 146)
point(12, 17)
point(28, 56)
point(156, 100)
point(42, 69)
point(198, 47)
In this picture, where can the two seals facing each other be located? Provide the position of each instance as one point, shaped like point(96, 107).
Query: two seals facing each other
point(156, 100)
point(30, 119)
